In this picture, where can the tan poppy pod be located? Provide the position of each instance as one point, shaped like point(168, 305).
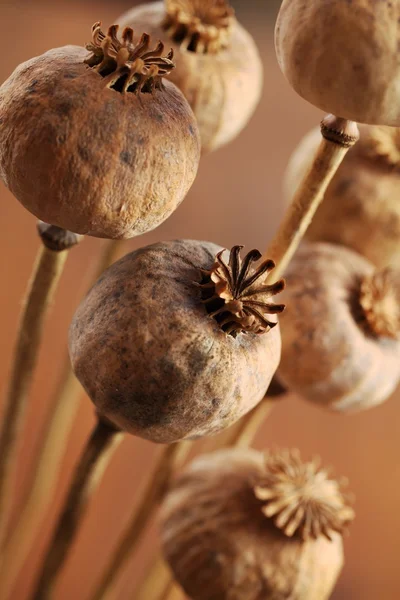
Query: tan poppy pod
point(361, 208)
point(341, 330)
point(242, 525)
point(174, 342)
point(218, 67)
point(343, 56)
point(96, 141)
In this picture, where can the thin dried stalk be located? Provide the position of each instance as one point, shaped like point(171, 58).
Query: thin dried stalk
point(95, 458)
point(46, 274)
point(46, 470)
point(339, 136)
point(150, 497)
point(44, 483)
point(243, 433)
point(173, 592)
point(156, 580)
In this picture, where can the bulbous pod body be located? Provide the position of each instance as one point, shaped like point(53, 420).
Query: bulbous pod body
point(336, 351)
point(223, 87)
point(343, 56)
point(152, 359)
point(89, 158)
point(220, 544)
point(361, 208)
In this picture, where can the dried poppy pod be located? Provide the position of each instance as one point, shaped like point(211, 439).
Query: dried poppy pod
point(342, 56)
point(218, 67)
point(361, 209)
point(242, 525)
point(96, 141)
point(168, 343)
point(341, 332)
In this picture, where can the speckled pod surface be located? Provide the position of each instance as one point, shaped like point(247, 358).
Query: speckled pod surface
point(88, 158)
point(151, 358)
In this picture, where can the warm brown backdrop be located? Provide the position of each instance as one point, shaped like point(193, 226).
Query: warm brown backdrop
point(236, 199)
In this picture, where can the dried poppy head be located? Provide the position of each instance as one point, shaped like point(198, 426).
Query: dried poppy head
point(173, 342)
point(218, 67)
point(341, 331)
point(97, 141)
point(242, 525)
point(360, 209)
point(342, 56)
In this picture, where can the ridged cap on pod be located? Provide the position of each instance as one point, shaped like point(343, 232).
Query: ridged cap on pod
point(341, 329)
point(343, 56)
point(174, 342)
point(218, 66)
point(360, 208)
point(242, 525)
point(97, 141)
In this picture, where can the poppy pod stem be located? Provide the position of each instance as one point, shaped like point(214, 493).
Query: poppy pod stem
point(93, 463)
point(46, 274)
point(150, 497)
point(338, 136)
point(173, 593)
point(46, 470)
point(156, 580)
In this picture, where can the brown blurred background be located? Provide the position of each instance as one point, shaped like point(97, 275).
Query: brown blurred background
point(235, 200)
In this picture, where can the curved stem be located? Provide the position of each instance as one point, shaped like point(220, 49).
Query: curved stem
point(339, 135)
point(46, 470)
point(46, 274)
point(95, 458)
point(150, 497)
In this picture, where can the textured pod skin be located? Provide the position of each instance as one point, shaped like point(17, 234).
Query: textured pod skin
point(361, 209)
point(220, 545)
point(343, 56)
point(223, 89)
point(328, 354)
point(89, 159)
point(151, 358)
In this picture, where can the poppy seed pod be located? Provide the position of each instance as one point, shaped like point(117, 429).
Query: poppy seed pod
point(343, 56)
point(218, 67)
point(361, 208)
point(341, 331)
point(242, 525)
point(173, 342)
point(95, 141)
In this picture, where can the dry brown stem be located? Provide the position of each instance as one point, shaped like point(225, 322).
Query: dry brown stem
point(45, 479)
point(95, 458)
point(157, 579)
point(173, 593)
point(243, 433)
point(339, 136)
point(43, 283)
point(46, 469)
point(150, 496)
